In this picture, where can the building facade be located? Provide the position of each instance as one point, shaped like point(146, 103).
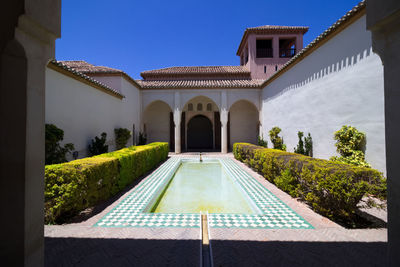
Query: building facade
point(336, 80)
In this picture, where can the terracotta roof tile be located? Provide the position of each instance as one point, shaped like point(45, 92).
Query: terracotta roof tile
point(182, 84)
point(212, 72)
point(79, 75)
point(85, 67)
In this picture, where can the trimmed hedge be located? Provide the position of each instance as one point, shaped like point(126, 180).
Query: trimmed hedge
point(332, 189)
point(76, 185)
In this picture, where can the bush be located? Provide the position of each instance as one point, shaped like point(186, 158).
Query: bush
point(54, 152)
point(276, 140)
point(142, 139)
point(262, 142)
point(304, 148)
point(71, 187)
point(350, 144)
point(98, 145)
point(332, 189)
point(122, 136)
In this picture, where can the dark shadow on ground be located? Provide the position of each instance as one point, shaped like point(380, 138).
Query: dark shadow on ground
point(143, 252)
point(274, 253)
point(121, 252)
point(92, 211)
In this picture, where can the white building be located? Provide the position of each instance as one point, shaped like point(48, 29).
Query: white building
point(336, 80)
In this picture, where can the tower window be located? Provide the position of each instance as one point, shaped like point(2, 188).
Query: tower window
point(276, 67)
point(199, 107)
point(209, 107)
point(190, 107)
point(265, 69)
point(264, 48)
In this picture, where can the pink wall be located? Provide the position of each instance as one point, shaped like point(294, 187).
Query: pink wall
point(256, 65)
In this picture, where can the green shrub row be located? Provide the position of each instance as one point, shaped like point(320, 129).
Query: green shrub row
point(331, 189)
point(76, 185)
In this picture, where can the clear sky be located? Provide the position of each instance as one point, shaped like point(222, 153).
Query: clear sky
point(134, 35)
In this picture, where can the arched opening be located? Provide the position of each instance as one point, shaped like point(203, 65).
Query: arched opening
point(244, 122)
point(200, 133)
point(156, 120)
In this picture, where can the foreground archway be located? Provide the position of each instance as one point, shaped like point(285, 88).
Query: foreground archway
point(200, 133)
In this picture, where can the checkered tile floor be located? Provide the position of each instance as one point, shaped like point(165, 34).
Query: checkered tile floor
point(131, 212)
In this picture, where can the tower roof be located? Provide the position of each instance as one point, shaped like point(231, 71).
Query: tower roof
point(270, 29)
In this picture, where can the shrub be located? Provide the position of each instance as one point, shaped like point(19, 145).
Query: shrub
point(55, 153)
point(300, 146)
point(308, 145)
point(261, 141)
point(350, 144)
point(98, 145)
point(122, 136)
point(276, 140)
point(332, 189)
point(71, 187)
point(304, 148)
point(142, 139)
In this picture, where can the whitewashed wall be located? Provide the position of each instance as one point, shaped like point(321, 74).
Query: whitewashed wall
point(243, 122)
point(84, 112)
point(340, 83)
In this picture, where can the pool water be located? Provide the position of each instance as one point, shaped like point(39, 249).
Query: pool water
point(202, 187)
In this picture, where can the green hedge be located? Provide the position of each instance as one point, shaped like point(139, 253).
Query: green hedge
point(73, 186)
point(332, 189)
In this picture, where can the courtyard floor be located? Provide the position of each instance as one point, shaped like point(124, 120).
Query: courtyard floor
point(84, 244)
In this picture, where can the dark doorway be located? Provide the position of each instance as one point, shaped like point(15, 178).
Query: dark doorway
point(199, 133)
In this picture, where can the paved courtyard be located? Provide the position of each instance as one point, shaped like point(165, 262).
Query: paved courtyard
point(83, 244)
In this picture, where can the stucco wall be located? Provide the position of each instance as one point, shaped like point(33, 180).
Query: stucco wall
point(339, 83)
point(156, 118)
point(243, 123)
point(84, 112)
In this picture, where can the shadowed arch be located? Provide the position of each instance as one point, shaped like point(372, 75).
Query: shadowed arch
point(200, 133)
point(244, 122)
point(156, 121)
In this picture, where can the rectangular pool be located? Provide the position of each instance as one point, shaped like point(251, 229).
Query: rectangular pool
point(202, 187)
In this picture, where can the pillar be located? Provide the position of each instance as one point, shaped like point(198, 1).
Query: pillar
point(383, 20)
point(224, 122)
point(177, 122)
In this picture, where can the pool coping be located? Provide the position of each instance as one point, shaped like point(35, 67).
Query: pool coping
point(129, 212)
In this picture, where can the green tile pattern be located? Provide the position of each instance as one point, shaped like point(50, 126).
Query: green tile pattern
point(132, 211)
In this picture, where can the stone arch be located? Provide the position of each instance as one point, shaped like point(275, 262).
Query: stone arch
point(244, 122)
point(200, 133)
point(213, 116)
point(156, 122)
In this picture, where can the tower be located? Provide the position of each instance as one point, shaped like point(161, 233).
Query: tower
point(265, 49)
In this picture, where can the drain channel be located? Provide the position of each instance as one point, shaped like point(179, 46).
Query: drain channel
point(206, 256)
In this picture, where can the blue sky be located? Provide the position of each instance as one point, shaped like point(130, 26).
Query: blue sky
point(149, 34)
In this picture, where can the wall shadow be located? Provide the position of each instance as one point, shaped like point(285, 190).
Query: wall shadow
point(278, 253)
point(121, 252)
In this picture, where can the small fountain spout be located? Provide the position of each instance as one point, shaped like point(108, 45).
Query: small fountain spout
point(201, 160)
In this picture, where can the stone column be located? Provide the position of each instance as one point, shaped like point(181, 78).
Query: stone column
point(177, 122)
point(383, 20)
point(224, 123)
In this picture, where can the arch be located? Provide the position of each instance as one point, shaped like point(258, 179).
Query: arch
point(200, 133)
point(156, 120)
point(244, 122)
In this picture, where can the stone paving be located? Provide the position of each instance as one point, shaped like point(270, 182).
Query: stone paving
point(83, 244)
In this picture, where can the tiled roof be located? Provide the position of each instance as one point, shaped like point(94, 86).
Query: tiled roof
point(60, 66)
point(182, 84)
point(359, 9)
point(85, 67)
point(267, 29)
point(195, 71)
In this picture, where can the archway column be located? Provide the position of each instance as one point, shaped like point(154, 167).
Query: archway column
point(224, 123)
point(177, 122)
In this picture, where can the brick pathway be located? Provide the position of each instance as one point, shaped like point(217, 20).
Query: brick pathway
point(81, 244)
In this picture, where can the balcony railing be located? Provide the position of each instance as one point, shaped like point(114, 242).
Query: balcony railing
point(264, 52)
point(287, 52)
